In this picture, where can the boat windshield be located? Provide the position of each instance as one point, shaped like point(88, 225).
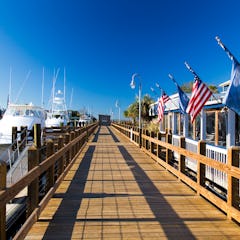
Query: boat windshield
point(21, 112)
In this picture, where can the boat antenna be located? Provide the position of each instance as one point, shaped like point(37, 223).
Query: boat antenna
point(42, 87)
point(20, 90)
point(55, 75)
point(64, 89)
point(10, 86)
point(70, 104)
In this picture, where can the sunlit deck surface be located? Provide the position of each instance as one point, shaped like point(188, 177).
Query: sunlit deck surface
point(115, 191)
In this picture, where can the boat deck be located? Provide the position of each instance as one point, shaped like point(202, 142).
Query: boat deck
point(115, 191)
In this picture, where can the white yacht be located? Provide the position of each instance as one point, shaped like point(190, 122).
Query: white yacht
point(58, 115)
point(18, 115)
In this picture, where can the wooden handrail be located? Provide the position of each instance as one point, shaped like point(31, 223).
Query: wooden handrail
point(231, 168)
point(68, 152)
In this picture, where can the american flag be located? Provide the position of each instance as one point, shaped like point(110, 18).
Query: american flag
point(200, 94)
point(161, 105)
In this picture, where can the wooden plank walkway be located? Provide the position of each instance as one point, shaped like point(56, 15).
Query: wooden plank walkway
point(115, 191)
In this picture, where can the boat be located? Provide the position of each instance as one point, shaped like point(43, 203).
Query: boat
point(20, 115)
point(84, 120)
point(57, 116)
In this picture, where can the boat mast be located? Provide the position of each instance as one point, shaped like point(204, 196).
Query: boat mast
point(55, 75)
point(20, 90)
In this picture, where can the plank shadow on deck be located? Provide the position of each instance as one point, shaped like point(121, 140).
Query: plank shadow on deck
point(115, 191)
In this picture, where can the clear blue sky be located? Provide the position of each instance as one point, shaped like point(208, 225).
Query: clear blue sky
point(102, 43)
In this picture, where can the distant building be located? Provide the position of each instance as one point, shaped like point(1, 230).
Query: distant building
point(104, 120)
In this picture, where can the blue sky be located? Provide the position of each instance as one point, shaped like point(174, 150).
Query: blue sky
point(102, 43)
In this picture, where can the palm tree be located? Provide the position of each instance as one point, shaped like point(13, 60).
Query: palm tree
point(146, 101)
point(133, 109)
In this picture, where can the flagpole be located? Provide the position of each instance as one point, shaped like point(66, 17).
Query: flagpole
point(230, 55)
point(173, 79)
point(118, 106)
point(157, 85)
point(191, 70)
point(197, 76)
point(152, 89)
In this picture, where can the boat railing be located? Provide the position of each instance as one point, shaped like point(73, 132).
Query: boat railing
point(19, 141)
point(16, 156)
point(19, 168)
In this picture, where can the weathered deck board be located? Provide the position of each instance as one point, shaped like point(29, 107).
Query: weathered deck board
point(115, 191)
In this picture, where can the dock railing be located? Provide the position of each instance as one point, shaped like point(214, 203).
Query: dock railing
point(212, 172)
point(51, 163)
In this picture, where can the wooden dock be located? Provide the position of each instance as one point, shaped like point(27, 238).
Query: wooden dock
point(115, 191)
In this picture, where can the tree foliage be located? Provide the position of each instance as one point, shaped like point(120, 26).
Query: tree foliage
point(187, 87)
point(133, 110)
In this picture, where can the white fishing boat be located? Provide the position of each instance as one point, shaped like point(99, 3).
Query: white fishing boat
point(58, 115)
point(19, 115)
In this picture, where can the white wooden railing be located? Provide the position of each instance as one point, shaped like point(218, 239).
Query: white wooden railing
point(217, 153)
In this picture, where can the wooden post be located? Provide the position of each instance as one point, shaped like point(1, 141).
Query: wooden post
point(158, 146)
point(37, 135)
point(233, 183)
point(33, 188)
point(72, 148)
point(152, 144)
point(79, 142)
point(147, 142)
point(61, 163)
point(3, 184)
point(201, 168)
point(76, 145)
point(182, 164)
point(87, 136)
point(67, 140)
point(140, 137)
point(168, 151)
point(14, 138)
point(22, 138)
point(143, 140)
point(49, 152)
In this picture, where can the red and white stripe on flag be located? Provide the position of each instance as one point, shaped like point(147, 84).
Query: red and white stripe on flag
point(200, 94)
point(161, 105)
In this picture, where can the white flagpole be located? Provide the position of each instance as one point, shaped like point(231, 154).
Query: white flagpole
point(157, 85)
point(230, 55)
point(196, 75)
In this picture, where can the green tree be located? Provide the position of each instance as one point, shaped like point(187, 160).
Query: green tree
point(133, 109)
point(145, 103)
point(213, 88)
point(187, 87)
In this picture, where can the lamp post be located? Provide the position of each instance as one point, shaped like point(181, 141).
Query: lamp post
point(118, 106)
point(133, 85)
